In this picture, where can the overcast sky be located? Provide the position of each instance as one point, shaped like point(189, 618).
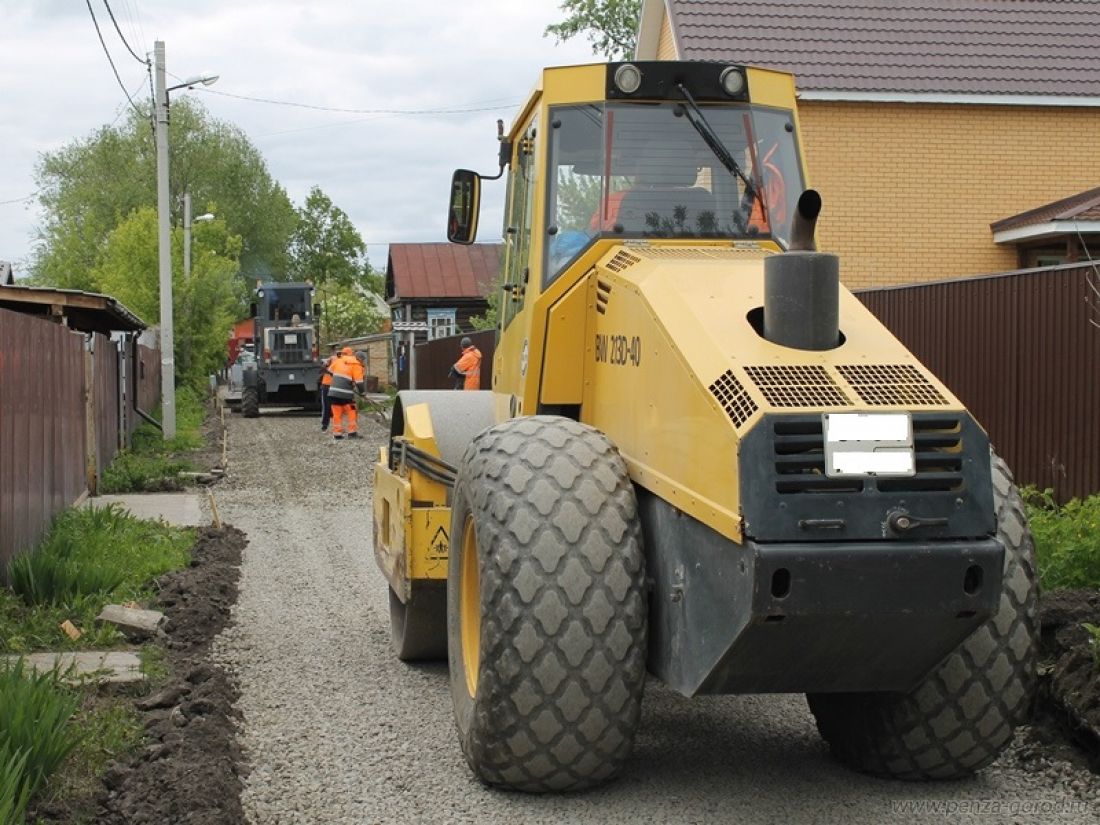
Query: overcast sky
point(390, 173)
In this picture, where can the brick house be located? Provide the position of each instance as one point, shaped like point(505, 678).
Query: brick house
point(926, 123)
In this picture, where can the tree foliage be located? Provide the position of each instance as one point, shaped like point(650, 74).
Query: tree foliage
point(90, 186)
point(348, 311)
point(205, 304)
point(328, 250)
point(611, 25)
point(325, 247)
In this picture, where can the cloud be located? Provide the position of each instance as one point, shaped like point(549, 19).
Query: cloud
point(390, 173)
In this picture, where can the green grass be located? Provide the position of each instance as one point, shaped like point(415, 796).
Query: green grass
point(55, 739)
point(89, 558)
point(14, 791)
point(1067, 539)
point(109, 727)
point(35, 734)
point(153, 464)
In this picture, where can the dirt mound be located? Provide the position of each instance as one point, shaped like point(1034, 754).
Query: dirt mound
point(1070, 685)
point(190, 771)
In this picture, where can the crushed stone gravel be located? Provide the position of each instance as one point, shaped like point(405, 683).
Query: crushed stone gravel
point(336, 730)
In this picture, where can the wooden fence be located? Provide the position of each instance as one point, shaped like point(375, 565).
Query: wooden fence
point(63, 417)
point(1022, 351)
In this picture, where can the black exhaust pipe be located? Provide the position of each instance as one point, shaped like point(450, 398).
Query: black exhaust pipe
point(802, 287)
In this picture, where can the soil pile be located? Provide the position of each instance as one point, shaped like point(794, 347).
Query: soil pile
point(1071, 665)
point(190, 770)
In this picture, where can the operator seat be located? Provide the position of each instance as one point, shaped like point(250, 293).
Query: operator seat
point(665, 201)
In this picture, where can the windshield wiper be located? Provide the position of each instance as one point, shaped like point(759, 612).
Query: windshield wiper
point(710, 137)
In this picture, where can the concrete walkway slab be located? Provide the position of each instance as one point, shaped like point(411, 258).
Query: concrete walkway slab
point(180, 509)
point(102, 667)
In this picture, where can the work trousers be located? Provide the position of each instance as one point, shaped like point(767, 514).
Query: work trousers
point(338, 413)
point(326, 408)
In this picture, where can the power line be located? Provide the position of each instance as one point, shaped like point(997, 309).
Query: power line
point(121, 36)
point(109, 60)
point(509, 105)
point(31, 196)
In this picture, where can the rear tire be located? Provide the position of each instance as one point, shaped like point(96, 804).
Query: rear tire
point(419, 626)
point(961, 716)
point(250, 402)
point(546, 608)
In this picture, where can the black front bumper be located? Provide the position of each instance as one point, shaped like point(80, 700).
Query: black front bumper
point(809, 616)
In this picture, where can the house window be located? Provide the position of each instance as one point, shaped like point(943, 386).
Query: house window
point(441, 323)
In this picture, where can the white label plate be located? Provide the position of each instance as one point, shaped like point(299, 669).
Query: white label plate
point(868, 444)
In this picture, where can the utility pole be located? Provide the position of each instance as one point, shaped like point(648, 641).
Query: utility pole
point(186, 237)
point(167, 334)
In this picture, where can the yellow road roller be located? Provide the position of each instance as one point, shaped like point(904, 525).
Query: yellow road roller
point(701, 459)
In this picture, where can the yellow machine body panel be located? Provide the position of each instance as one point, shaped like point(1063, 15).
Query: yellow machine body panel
point(411, 514)
point(670, 334)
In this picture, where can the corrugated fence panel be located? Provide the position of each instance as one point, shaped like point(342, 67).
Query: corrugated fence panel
point(41, 427)
point(435, 359)
point(147, 378)
point(1021, 351)
point(105, 357)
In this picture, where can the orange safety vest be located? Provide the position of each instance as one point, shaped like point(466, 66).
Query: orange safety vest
point(326, 371)
point(346, 373)
point(470, 366)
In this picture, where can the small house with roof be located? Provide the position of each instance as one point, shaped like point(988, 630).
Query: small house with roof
point(441, 285)
point(935, 130)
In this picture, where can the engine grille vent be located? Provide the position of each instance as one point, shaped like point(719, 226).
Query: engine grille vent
point(603, 296)
point(684, 253)
point(622, 260)
point(799, 456)
point(891, 385)
point(797, 386)
point(734, 398)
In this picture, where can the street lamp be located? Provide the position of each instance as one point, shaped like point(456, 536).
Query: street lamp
point(187, 221)
point(167, 336)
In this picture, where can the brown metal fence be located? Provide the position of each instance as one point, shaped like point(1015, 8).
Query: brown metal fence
point(42, 427)
point(146, 379)
point(108, 430)
point(435, 358)
point(1021, 351)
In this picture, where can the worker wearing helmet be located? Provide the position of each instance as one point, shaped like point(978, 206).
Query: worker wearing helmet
point(347, 377)
point(469, 365)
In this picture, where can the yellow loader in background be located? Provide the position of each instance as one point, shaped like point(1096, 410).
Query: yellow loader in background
point(701, 457)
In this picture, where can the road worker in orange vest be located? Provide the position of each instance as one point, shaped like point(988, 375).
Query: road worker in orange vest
point(326, 382)
point(469, 365)
point(347, 377)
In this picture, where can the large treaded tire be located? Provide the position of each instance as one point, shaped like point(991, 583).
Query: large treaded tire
point(562, 606)
point(418, 627)
point(963, 713)
point(250, 402)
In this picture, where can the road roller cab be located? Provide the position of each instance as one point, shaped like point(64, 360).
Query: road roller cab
point(701, 457)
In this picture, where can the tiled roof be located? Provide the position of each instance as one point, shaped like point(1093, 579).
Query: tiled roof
point(1084, 206)
point(443, 270)
point(994, 47)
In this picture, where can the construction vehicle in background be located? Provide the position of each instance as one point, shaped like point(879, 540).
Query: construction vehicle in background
point(286, 371)
point(701, 456)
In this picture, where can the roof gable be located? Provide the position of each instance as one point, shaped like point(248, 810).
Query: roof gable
point(441, 270)
point(1082, 209)
point(980, 47)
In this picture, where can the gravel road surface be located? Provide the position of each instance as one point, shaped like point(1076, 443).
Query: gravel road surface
point(337, 730)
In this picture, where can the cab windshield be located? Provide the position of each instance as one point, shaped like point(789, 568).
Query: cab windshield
point(641, 170)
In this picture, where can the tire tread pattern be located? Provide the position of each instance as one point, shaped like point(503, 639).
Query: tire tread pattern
point(563, 605)
point(963, 714)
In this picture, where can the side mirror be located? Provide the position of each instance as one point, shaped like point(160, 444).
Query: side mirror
point(252, 310)
point(465, 205)
point(316, 310)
